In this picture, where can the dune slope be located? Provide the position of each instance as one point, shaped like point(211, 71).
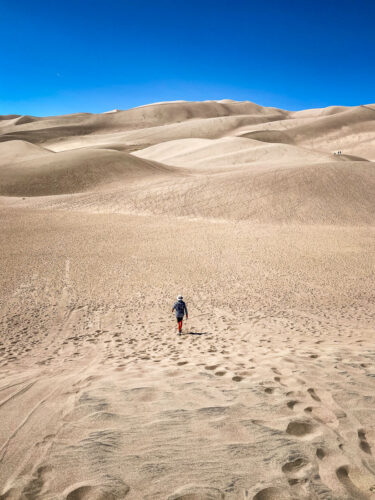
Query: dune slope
point(74, 172)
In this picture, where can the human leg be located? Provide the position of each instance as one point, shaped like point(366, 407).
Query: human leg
point(179, 321)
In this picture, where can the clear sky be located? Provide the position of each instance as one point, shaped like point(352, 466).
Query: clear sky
point(69, 56)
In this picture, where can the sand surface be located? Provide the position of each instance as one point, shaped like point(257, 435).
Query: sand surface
point(269, 394)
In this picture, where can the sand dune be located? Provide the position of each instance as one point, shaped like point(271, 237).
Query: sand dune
point(73, 172)
point(328, 129)
point(14, 151)
point(8, 117)
point(341, 194)
point(313, 113)
point(25, 119)
point(227, 152)
point(352, 117)
point(351, 130)
point(273, 136)
point(148, 116)
point(269, 392)
point(210, 128)
point(320, 194)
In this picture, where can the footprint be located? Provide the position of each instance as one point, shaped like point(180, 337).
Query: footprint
point(212, 367)
point(220, 373)
point(343, 474)
point(80, 493)
point(237, 378)
point(339, 413)
point(116, 489)
point(363, 444)
point(300, 428)
point(291, 404)
point(293, 466)
point(268, 390)
point(312, 393)
point(181, 363)
point(320, 453)
point(272, 493)
point(35, 486)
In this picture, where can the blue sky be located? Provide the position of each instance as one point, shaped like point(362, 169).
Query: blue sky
point(87, 55)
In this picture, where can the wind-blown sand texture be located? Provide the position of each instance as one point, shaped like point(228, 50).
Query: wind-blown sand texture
point(269, 394)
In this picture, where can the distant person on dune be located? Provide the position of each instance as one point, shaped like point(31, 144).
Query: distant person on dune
point(180, 309)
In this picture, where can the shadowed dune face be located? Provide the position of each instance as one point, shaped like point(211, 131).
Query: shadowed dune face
point(270, 136)
point(22, 120)
point(5, 118)
point(73, 172)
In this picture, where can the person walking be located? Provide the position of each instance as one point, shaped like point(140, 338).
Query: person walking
point(180, 309)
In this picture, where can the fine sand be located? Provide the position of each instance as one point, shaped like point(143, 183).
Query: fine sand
point(269, 394)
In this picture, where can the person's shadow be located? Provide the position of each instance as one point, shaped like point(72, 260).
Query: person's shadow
point(196, 333)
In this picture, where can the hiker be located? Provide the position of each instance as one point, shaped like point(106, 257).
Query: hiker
point(180, 308)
